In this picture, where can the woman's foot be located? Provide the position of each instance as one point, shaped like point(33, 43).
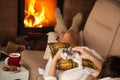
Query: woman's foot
point(60, 24)
point(77, 20)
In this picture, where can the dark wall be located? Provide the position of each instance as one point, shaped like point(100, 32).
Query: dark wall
point(8, 19)
point(72, 7)
point(60, 4)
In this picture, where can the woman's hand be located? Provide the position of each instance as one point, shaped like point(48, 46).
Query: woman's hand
point(84, 53)
point(58, 55)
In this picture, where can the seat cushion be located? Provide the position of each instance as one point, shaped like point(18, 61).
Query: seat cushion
point(32, 60)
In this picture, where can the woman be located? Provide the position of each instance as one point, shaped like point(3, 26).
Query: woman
point(71, 36)
point(110, 67)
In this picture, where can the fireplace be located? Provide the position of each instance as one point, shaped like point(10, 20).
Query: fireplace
point(36, 16)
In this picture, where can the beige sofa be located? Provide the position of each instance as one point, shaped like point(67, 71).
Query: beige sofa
point(101, 33)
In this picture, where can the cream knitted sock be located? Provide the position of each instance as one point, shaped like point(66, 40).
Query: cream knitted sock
point(60, 26)
point(77, 20)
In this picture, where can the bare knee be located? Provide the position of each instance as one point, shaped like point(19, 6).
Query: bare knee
point(71, 33)
point(68, 34)
point(72, 36)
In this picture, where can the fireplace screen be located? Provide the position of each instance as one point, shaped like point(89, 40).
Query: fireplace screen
point(36, 15)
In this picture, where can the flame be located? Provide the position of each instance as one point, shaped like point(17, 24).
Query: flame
point(35, 17)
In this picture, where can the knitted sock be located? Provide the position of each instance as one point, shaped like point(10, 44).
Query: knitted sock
point(77, 20)
point(60, 26)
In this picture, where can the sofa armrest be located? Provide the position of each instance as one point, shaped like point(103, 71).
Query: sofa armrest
point(32, 60)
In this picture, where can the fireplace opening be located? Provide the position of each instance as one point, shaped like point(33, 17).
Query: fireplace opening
point(36, 16)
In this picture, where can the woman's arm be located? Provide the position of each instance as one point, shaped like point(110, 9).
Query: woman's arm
point(52, 71)
point(85, 54)
point(90, 77)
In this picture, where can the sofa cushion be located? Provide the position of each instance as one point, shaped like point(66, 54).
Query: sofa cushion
point(115, 49)
point(101, 26)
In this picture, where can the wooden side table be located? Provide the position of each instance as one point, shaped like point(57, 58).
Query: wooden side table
point(7, 75)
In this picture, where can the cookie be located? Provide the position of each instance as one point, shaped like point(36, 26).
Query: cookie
point(5, 68)
point(13, 68)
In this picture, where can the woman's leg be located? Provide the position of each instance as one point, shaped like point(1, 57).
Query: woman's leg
point(71, 37)
point(60, 24)
point(77, 21)
point(60, 27)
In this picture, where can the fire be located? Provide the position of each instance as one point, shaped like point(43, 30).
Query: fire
point(38, 13)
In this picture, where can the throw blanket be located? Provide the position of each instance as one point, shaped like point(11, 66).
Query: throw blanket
point(78, 73)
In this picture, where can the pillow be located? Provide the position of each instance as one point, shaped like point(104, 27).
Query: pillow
point(52, 36)
point(67, 64)
point(11, 47)
point(54, 47)
point(62, 63)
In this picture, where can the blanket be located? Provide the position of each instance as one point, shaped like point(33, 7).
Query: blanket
point(78, 73)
